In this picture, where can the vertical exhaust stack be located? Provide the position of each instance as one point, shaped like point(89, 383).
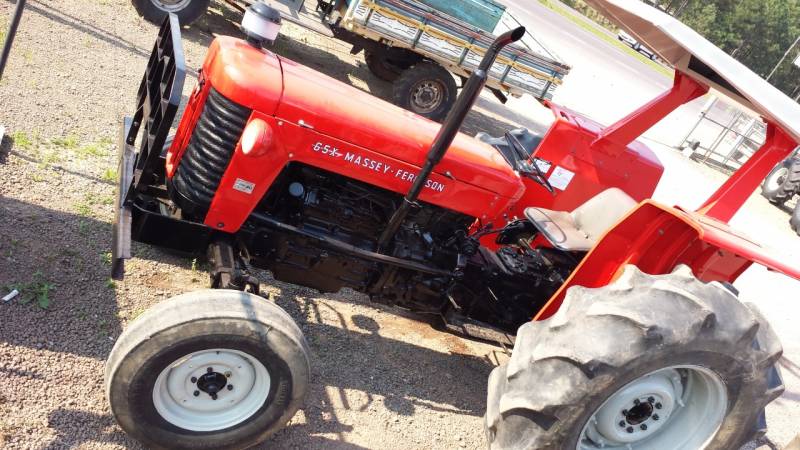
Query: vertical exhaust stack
point(455, 118)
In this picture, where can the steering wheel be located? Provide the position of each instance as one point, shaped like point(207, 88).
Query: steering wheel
point(536, 173)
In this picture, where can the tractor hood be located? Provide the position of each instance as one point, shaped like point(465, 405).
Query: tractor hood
point(336, 109)
point(693, 55)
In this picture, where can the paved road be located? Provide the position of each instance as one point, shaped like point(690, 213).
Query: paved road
point(606, 82)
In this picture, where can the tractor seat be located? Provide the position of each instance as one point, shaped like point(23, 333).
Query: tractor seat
point(579, 230)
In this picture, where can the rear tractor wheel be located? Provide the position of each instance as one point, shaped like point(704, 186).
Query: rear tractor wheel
point(795, 220)
point(211, 369)
point(783, 182)
point(648, 362)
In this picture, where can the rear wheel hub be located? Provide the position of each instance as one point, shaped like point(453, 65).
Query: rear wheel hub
point(679, 407)
point(426, 96)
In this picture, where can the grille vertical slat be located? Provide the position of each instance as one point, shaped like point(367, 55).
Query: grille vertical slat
point(208, 154)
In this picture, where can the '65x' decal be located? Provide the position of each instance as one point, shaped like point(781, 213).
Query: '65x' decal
point(368, 163)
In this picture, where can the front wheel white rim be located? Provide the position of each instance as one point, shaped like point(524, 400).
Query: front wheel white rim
point(676, 408)
point(211, 390)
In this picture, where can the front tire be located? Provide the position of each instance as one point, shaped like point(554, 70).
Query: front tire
point(648, 362)
point(211, 369)
point(427, 89)
point(156, 11)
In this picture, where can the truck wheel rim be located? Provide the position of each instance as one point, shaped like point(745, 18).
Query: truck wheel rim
point(680, 407)
point(426, 96)
point(170, 5)
point(211, 390)
point(775, 181)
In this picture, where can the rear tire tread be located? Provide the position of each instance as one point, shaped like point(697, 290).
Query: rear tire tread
point(590, 325)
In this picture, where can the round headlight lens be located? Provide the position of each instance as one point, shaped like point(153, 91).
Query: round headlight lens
point(256, 138)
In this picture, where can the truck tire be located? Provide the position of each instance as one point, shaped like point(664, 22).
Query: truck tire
point(212, 369)
point(795, 220)
point(156, 10)
point(655, 362)
point(427, 89)
point(782, 182)
point(382, 67)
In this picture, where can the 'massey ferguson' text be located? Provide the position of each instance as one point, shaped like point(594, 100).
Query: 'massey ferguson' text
point(374, 165)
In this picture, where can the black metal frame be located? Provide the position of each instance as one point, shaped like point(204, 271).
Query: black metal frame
point(12, 32)
point(157, 104)
point(158, 100)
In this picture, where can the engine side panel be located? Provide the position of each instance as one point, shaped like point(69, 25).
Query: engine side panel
point(350, 115)
point(293, 143)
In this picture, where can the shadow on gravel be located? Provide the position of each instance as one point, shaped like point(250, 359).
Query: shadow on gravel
point(57, 258)
point(63, 18)
point(74, 428)
point(361, 366)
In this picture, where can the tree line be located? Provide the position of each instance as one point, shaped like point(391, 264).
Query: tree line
point(755, 32)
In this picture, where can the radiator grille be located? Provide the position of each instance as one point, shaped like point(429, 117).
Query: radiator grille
point(208, 154)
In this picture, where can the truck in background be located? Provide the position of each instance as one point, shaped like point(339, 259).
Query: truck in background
point(420, 46)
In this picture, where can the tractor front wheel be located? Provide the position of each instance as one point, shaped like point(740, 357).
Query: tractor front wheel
point(208, 370)
point(648, 362)
point(427, 89)
point(156, 10)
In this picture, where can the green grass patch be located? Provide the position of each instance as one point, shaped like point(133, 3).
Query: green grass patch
point(83, 209)
point(69, 142)
point(37, 290)
point(585, 24)
point(22, 140)
point(110, 175)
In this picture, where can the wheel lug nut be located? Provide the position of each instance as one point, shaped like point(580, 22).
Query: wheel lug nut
point(630, 430)
point(228, 374)
point(658, 405)
point(622, 423)
point(650, 399)
point(636, 402)
point(230, 387)
point(643, 426)
point(210, 369)
point(624, 412)
point(213, 396)
point(196, 393)
point(655, 417)
point(194, 379)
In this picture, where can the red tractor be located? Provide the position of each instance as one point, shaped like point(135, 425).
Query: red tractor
point(627, 331)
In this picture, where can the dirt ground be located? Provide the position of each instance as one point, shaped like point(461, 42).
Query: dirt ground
point(380, 379)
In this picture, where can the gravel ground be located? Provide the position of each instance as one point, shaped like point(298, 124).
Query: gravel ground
point(381, 379)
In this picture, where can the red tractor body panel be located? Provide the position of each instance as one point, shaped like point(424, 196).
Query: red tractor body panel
point(328, 124)
point(338, 110)
point(656, 238)
point(568, 146)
